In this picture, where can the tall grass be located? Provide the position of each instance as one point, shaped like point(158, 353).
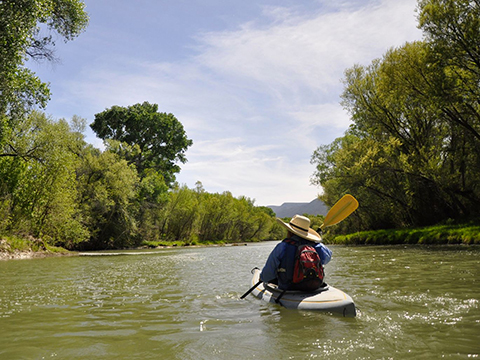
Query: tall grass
point(467, 234)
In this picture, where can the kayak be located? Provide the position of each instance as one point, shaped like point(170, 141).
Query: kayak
point(327, 298)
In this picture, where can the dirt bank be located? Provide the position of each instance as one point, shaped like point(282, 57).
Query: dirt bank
point(7, 252)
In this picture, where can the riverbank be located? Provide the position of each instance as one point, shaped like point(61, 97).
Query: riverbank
point(19, 255)
point(463, 234)
point(15, 248)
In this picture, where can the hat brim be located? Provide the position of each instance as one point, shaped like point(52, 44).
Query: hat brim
point(311, 235)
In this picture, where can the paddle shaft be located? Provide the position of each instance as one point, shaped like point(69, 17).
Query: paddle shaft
point(251, 289)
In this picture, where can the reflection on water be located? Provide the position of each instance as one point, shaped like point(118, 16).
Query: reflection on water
point(184, 304)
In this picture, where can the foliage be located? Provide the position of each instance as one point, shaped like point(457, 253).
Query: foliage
point(36, 165)
point(412, 155)
point(57, 188)
point(38, 180)
point(202, 217)
point(152, 197)
point(160, 137)
point(21, 26)
point(106, 187)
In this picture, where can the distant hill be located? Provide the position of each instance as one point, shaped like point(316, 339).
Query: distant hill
point(315, 207)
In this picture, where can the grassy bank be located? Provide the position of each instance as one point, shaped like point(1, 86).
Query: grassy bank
point(467, 234)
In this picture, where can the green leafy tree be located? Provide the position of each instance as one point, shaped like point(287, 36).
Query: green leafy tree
point(21, 24)
point(194, 215)
point(452, 30)
point(182, 214)
point(412, 154)
point(38, 178)
point(152, 198)
point(36, 194)
point(160, 137)
point(366, 168)
point(107, 196)
point(216, 218)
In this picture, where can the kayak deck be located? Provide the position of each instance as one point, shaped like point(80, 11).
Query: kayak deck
point(327, 298)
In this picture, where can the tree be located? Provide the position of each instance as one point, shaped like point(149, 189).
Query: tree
point(107, 199)
point(181, 215)
point(160, 137)
point(412, 154)
point(38, 181)
point(21, 22)
point(372, 171)
point(452, 31)
point(36, 166)
point(152, 197)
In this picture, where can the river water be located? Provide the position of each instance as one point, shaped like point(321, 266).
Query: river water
point(413, 303)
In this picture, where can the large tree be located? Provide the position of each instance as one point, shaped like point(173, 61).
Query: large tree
point(412, 155)
point(160, 137)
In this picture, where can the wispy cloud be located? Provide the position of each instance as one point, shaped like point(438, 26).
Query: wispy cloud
point(307, 52)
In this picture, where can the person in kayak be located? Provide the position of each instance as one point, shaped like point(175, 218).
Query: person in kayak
point(280, 264)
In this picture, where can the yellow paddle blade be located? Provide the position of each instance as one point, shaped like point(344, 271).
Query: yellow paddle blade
point(344, 207)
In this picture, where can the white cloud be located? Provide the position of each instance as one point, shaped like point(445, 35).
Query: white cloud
point(307, 53)
point(228, 165)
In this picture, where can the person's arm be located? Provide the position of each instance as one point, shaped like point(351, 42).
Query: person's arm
point(324, 252)
point(269, 271)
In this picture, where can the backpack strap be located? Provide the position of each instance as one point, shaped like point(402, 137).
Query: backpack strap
point(285, 268)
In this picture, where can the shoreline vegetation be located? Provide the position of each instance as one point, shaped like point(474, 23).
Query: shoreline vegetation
point(15, 247)
point(18, 248)
point(448, 234)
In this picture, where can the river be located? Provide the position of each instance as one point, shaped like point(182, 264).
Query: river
point(413, 303)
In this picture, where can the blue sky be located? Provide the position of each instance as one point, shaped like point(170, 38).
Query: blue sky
point(256, 84)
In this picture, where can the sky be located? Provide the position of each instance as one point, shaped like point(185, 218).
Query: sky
point(255, 83)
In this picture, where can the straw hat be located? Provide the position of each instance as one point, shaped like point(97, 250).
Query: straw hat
point(300, 225)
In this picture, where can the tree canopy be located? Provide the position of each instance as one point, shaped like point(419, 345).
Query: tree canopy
point(160, 137)
point(26, 28)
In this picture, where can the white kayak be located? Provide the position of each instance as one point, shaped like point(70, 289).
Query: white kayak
point(327, 298)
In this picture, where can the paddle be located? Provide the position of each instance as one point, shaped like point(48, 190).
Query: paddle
point(251, 289)
point(343, 208)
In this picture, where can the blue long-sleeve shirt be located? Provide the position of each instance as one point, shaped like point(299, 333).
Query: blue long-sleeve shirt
point(269, 271)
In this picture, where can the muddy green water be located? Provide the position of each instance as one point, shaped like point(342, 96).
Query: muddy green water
point(414, 303)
